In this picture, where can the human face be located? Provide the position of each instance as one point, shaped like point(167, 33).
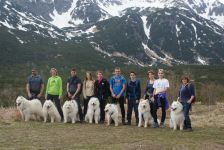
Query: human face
point(117, 72)
point(151, 76)
point(73, 73)
point(99, 75)
point(184, 81)
point(53, 72)
point(34, 72)
point(160, 74)
point(88, 76)
point(132, 76)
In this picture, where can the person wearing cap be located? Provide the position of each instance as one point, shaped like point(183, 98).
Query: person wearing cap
point(54, 90)
point(34, 85)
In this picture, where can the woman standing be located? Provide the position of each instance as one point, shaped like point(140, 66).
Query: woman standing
point(160, 98)
point(148, 94)
point(102, 92)
point(54, 90)
point(186, 97)
point(88, 90)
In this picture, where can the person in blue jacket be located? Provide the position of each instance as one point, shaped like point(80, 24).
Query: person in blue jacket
point(186, 97)
point(133, 94)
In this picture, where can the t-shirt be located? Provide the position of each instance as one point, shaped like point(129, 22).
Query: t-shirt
point(117, 82)
point(35, 83)
point(160, 84)
point(73, 84)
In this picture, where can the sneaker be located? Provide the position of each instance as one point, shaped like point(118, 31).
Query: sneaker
point(162, 125)
point(155, 125)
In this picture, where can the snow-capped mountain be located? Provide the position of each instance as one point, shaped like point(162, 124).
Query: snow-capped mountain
point(144, 32)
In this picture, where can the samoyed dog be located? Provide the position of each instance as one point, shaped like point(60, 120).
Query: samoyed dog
point(111, 111)
point(176, 115)
point(70, 111)
point(144, 113)
point(93, 110)
point(29, 108)
point(50, 110)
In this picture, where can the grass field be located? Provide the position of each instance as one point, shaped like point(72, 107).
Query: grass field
point(16, 134)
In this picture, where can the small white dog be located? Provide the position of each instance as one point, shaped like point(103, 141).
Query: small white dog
point(176, 115)
point(93, 110)
point(70, 111)
point(49, 109)
point(144, 112)
point(111, 111)
point(28, 108)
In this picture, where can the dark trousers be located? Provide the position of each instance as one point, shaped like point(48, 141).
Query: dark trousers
point(121, 102)
point(187, 120)
point(86, 101)
point(56, 100)
point(77, 99)
point(155, 107)
point(150, 104)
point(132, 105)
point(102, 107)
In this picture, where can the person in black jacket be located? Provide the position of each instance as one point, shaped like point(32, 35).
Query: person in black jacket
point(133, 94)
point(101, 91)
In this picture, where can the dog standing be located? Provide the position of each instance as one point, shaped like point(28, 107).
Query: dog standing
point(28, 108)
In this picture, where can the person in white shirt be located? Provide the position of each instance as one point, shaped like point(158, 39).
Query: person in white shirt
point(160, 98)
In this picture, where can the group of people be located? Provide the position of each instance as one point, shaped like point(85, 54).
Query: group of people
point(120, 90)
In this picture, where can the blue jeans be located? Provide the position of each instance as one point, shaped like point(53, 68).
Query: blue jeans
point(186, 108)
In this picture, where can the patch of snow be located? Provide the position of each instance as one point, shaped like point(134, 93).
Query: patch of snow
point(6, 24)
point(62, 20)
point(201, 61)
point(146, 29)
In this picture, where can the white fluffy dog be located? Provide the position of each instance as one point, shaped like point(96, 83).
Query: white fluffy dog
point(144, 112)
point(93, 110)
point(70, 111)
point(49, 109)
point(176, 115)
point(111, 111)
point(28, 108)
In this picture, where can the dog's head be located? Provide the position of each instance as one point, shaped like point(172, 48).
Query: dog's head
point(94, 102)
point(20, 100)
point(68, 105)
point(144, 105)
point(107, 108)
point(48, 104)
point(176, 106)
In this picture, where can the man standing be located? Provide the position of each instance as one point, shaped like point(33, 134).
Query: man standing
point(74, 89)
point(133, 94)
point(117, 89)
point(101, 91)
point(34, 85)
